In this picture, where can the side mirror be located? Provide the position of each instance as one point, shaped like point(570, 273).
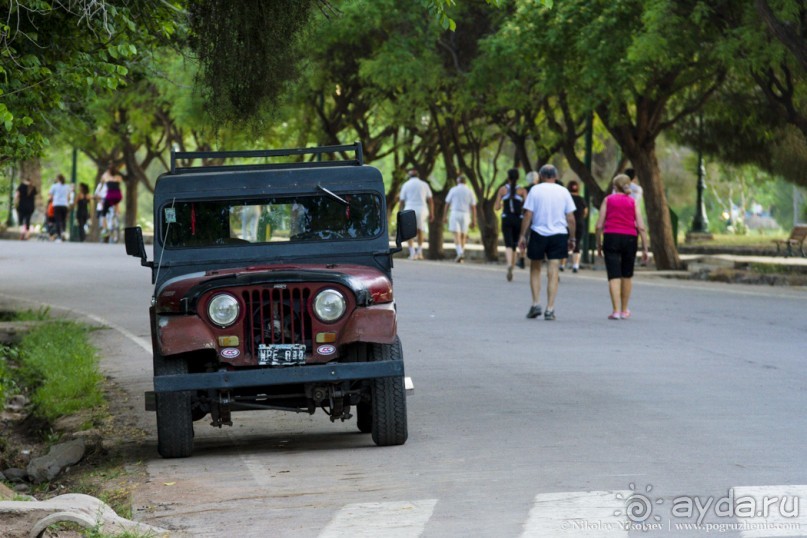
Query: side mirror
point(134, 244)
point(407, 226)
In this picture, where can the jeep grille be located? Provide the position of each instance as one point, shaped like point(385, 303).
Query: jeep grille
point(277, 316)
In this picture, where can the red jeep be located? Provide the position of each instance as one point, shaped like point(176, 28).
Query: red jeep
point(273, 291)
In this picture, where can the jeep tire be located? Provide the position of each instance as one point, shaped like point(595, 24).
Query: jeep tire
point(174, 413)
point(388, 404)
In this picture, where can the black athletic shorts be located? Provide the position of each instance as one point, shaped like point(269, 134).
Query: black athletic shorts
point(551, 247)
point(619, 251)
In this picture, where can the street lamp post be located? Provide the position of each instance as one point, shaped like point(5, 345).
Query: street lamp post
point(700, 222)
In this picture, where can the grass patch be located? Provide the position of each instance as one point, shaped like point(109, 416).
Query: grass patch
point(7, 384)
point(775, 269)
point(73, 529)
point(60, 367)
point(42, 314)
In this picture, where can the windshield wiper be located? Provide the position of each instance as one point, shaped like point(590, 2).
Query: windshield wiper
point(333, 195)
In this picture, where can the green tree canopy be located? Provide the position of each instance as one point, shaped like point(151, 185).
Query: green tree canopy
point(55, 57)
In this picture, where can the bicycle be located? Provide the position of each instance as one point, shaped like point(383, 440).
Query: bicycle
point(110, 226)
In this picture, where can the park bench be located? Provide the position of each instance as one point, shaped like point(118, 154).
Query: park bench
point(796, 239)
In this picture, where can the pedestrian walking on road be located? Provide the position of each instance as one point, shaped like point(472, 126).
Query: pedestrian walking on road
point(60, 192)
point(417, 195)
point(619, 223)
point(462, 202)
point(510, 199)
point(532, 179)
point(580, 214)
point(549, 217)
point(25, 202)
point(636, 190)
point(83, 199)
point(110, 195)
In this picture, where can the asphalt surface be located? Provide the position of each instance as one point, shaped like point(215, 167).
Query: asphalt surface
point(517, 427)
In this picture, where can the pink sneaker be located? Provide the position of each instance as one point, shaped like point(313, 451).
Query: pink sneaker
point(615, 315)
point(625, 314)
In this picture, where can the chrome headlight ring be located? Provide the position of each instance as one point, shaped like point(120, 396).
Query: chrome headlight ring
point(329, 305)
point(223, 309)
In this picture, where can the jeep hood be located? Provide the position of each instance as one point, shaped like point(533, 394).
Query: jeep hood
point(180, 294)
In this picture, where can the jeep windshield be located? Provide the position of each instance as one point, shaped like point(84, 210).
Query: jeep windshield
point(286, 219)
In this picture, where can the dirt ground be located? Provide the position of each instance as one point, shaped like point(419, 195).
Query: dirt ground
point(110, 469)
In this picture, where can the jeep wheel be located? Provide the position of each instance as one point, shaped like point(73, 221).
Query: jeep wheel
point(174, 414)
point(388, 400)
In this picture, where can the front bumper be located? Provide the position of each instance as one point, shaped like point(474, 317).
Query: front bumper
point(320, 373)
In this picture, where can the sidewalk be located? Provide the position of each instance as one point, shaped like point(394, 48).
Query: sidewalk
point(474, 252)
point(694, 262)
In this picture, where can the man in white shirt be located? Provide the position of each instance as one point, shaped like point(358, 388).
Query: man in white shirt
point(462, 201)
point(417, 195)
point(549, 217)
point(636, 190)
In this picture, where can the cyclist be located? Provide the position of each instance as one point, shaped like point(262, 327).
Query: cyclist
point(109, 194)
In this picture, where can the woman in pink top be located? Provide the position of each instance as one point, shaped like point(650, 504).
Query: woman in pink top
point(620, 221)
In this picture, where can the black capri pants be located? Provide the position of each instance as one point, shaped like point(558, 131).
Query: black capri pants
point(511, 229)
point(619, 251)
point(579, 228)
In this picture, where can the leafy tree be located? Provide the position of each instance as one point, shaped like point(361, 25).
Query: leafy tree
point(760, 115)
point(57, 56)
point(631, 63)
point(246, 52)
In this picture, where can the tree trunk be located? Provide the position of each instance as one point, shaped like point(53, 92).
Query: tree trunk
point(522, 156)
point(489, 228)
point(659, 225)
point(131, 179)
point(131, 200)
point(435, 238)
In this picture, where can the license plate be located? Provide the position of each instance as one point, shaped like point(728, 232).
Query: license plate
point(281, 354)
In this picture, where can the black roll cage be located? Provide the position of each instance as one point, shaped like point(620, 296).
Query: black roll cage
point(318, 152)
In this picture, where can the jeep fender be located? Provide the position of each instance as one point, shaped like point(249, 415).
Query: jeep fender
point(181, 334)
point(376, 323)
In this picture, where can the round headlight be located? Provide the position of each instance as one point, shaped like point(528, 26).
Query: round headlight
point(329, 305)
point(223, 309)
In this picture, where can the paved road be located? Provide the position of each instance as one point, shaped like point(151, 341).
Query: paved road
point(517, 427)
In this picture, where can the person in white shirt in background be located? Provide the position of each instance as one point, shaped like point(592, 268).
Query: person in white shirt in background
point(462, 201)
point(417, 195)
point(61, 192)
point(635, 190)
